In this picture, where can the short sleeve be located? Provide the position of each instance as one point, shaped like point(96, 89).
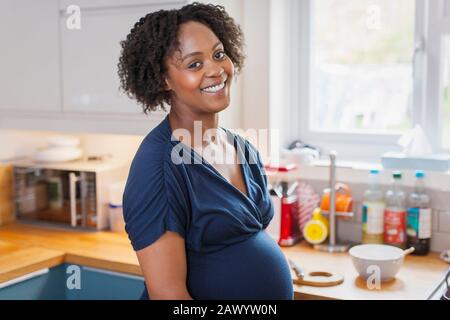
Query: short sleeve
point(153, 200)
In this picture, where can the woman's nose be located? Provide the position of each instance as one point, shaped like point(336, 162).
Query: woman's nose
point(214, 69)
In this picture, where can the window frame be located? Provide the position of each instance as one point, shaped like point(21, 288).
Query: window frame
point(439, 25)
point(426, 92)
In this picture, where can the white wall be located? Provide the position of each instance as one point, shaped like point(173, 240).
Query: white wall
point(256, 96)
point(264, 100)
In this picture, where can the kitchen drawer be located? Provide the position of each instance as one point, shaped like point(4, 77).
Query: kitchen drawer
point(95, 284)
point(45, 284)
point(99, 284)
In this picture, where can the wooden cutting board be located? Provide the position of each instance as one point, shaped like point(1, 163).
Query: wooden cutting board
point(315, 278)
point(320, 279)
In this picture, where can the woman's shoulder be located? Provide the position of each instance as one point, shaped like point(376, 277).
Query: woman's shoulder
point(153, 151)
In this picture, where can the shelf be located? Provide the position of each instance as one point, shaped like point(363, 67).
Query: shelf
point(340, 214)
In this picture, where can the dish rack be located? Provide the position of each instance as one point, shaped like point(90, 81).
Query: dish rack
point(333, 245)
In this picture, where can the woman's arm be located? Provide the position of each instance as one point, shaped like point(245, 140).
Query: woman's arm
point(164, 266)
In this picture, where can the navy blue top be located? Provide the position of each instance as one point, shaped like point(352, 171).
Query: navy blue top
point(229, 255)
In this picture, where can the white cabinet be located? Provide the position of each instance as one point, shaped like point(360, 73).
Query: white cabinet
point(29, 55)
point(60, 79)
point(90, 56)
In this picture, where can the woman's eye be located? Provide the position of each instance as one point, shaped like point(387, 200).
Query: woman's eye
point(194, 65)
point(220, 55)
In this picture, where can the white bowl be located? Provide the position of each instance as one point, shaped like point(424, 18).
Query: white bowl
point(369, 259)
point(60, 154)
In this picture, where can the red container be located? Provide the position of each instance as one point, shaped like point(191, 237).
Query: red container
point(289, 230)
point(289, 233)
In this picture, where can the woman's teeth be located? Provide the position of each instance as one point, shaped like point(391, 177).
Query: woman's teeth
point(215, 88)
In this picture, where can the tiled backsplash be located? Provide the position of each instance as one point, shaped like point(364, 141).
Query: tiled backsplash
point(351, 229)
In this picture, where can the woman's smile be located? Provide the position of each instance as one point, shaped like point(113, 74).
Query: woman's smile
point(216, 90)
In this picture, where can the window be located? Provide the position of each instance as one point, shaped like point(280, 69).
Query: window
point(362, 67)
point(369, 70)
point(446, 93)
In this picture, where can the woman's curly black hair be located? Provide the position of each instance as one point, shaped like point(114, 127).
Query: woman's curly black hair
point(153, 38)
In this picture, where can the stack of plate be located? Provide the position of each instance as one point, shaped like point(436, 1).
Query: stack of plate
point(60, 149)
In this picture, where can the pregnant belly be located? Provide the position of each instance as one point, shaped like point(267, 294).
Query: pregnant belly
point(252, 269)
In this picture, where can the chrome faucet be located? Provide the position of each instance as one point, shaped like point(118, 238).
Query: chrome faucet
point(333, 246)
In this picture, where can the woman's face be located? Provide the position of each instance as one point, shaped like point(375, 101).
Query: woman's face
point(194, 70)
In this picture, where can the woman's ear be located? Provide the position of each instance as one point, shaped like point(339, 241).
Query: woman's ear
point(167, 86)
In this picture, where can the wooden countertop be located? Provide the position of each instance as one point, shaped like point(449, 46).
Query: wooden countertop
point(25, 248)
point(415, 279)
point(98, 249)
point(17, 260)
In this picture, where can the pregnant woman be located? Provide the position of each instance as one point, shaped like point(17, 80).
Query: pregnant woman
point(197, 225)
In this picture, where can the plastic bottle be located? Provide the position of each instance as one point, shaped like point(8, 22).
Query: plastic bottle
point(419, 217)
point(116, 221)
point(373, 210)
point(316, 230)
point(395, 214)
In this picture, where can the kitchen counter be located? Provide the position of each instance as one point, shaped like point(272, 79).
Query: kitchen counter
point(17, 260)
point(26, 248)
point(415, 280)
point(97, 249)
